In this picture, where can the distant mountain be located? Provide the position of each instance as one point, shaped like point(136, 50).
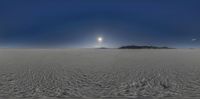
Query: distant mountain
point(103, 48)
point(142, 47)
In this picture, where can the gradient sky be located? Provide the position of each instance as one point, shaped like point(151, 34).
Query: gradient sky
point(77, 23)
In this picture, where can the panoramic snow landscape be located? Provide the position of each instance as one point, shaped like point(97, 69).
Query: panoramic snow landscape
point(99, 73)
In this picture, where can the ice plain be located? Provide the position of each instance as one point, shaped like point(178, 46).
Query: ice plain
point(99, 74)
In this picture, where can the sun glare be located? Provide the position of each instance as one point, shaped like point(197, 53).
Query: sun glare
point(100, 39)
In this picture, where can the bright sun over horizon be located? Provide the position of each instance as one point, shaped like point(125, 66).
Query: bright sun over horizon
point(100, 39)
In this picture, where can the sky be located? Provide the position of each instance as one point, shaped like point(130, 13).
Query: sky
point(78, 23)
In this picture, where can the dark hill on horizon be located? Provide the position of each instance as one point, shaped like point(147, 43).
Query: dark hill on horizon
point(142, 47)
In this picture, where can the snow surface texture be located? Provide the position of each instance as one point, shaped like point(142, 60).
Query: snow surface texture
point(96, 73)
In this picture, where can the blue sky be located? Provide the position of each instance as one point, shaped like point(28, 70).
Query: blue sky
point(77, 23)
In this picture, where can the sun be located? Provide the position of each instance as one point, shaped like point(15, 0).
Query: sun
point(100, 39)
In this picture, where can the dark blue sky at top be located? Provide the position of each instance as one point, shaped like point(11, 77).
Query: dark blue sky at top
point(77, 23)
